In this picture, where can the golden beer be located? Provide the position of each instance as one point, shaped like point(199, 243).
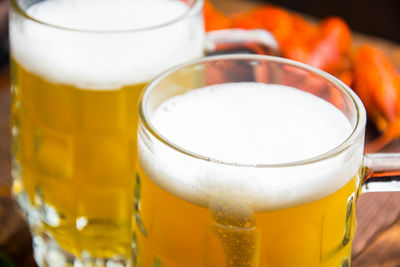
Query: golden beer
point(77, 73)
point(221, 180)
point(76, 149)
point(176, 232)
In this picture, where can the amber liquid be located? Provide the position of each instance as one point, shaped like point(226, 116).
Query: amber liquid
point(74, 151)
point(175, 232)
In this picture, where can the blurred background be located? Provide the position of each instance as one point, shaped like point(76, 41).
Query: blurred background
point(379, 18)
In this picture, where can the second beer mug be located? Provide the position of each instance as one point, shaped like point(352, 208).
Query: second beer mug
point(257, 161)
point(78, 68)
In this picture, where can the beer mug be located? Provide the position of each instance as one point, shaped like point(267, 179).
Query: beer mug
point(77, 69)
point(250, 160)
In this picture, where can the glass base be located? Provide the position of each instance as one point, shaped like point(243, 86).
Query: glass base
point(47, 253)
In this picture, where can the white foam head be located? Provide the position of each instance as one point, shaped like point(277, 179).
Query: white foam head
point(249, 124)
point(88, 56)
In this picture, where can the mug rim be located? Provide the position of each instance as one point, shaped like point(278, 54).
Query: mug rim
point(193, 9)
point(356, 134)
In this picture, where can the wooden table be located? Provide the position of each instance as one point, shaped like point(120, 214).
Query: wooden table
point(377, 241)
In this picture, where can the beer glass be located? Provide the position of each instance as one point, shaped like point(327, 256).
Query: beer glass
point(233, 170)
point(77, 69)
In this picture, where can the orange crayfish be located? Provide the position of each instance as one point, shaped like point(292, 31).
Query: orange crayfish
point(325, 46)
point(214, 19)
point(377, 83)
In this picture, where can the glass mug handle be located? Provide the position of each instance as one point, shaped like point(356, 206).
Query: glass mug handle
point(237, 40)
point(381, 172)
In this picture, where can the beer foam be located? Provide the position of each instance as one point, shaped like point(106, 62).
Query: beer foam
point(102, 44)
point(249, 124)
